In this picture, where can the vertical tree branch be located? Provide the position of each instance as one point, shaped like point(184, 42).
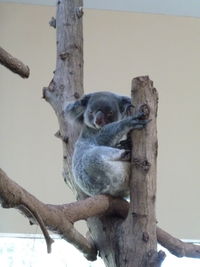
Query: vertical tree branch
point(140, 226)
point(67, 83)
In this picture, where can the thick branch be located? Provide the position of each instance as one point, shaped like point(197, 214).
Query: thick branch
point(60, 218)
point(140, 225)
point(54, 218)
point(67, 83)
point(13, 64)
point(93, 206)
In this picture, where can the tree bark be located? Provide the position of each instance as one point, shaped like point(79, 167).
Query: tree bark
point(67, 83)
point(13, 64)
point(60, 218)
point(139, 229)
point(133, 242)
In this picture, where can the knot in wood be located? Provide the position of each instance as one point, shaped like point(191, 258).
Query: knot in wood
point(145, 237)
point(76, 95)
point(79, 12)
point(52, 22)
point(58, 134)
point(142, 164)
point(146, 165)
point(145, 110)
point(65, 139)
point(62, 86)
point(52, 86)
point(64, 55)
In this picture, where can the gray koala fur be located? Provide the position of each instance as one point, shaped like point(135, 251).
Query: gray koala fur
point(100, 164)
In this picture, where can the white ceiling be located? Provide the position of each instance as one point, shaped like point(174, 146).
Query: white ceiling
point(169, 7)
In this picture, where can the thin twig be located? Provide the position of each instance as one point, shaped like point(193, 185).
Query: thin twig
point(35, 215)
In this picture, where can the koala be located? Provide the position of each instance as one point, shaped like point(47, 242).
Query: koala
point(101, 161)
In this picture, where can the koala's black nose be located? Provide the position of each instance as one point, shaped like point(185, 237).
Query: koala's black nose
point(100, 119)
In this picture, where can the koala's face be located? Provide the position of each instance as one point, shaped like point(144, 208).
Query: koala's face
point(103, 108)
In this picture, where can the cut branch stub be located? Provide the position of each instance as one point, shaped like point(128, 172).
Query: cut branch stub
point(52, 22)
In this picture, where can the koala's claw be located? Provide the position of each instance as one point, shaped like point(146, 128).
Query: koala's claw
point(139, 124)
point(126, 155)
point(139, 115)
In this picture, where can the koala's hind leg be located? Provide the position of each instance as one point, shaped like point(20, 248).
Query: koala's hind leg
point(104, 171)
point(114, 154)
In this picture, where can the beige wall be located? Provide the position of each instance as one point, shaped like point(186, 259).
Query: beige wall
point(118, 47)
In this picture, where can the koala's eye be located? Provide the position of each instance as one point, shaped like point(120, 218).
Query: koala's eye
point(110, 113)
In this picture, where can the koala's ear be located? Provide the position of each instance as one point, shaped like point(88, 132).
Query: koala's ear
point(84, 100)
point(125, 106)
point(75, 110)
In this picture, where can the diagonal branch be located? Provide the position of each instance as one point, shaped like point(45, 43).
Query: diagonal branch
point(54, 218)
point(60, 218)
point(176, 246)
point(13, 64)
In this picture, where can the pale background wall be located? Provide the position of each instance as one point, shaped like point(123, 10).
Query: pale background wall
point(118, 47)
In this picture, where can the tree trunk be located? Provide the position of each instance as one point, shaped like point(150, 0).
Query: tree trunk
point(139, 229)
point(130, 242)
point(133, 242)
point(67, 83)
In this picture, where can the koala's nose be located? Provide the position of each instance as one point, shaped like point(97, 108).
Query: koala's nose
point(100, 118)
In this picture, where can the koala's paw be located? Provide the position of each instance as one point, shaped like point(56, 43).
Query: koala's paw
point(126, 155)
point(139, 124)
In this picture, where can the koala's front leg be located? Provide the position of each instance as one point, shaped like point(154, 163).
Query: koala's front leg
point(112, 133)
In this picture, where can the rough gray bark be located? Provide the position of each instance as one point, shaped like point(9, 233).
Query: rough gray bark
point(67, 83)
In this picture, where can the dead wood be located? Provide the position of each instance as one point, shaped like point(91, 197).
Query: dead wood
point(13, 64)
point(60, 218)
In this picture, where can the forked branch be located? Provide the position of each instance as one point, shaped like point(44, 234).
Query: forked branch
point(60, 218)
point(51, 216)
